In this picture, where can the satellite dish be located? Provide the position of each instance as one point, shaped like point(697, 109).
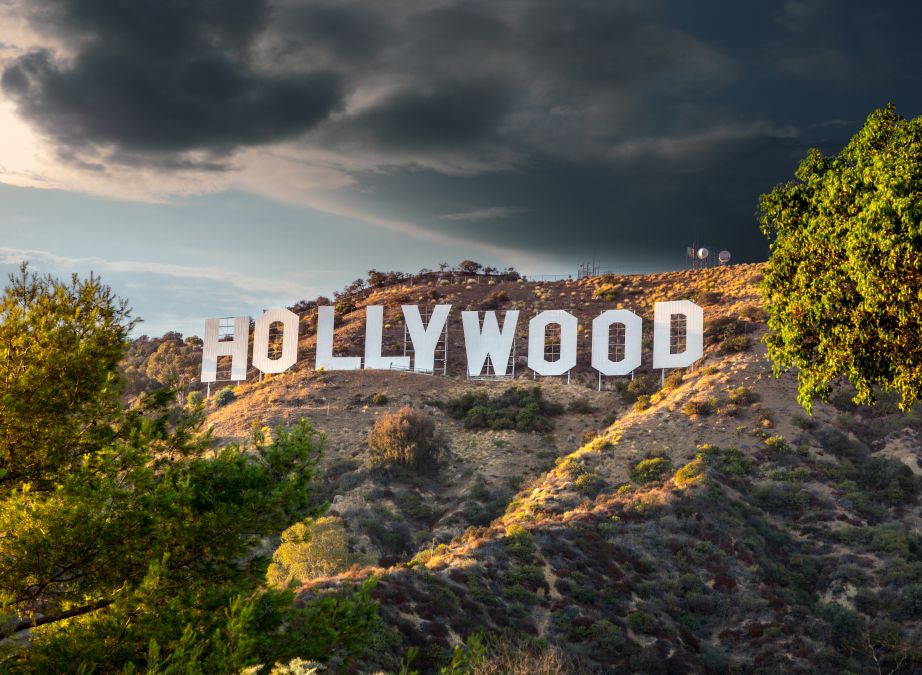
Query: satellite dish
point(724, 257)
point(703, 253)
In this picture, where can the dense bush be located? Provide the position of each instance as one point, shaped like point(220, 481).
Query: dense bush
point(783, 498)
point(516, 408)
point(224, 396)
point(701, 406)
point(580, 406)
point(673, 380)
point(404, 438)
point(742, 396)
point(494, 300)
point(608, 292)
point(651, 470)
point(641, 385)
point(345, 305)
point(735, 344)
point(728, 461)
point(313, 548)
point(387, 530)
point(890, 480)
point(691, 473)
point(724, 327)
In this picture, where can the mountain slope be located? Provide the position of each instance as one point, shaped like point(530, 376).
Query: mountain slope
point(705, 526)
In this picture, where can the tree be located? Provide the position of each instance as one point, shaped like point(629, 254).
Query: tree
point(121, 529)
point(843, 285)
point(405, 438)
point(175, 364)
point(313, 548)
point(376, 279)
point(469, 266)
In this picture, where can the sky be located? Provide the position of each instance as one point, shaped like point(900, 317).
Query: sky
point(216, 158)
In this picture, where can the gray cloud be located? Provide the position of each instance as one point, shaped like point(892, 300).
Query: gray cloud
point(154, 79)
point(487, 213)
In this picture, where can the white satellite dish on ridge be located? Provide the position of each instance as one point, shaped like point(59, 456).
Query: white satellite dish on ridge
point(703, 253)
point(723, 257)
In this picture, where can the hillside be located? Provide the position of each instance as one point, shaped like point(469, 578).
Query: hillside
point(705, 526)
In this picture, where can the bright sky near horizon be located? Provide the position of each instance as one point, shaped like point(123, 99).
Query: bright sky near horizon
point(221, 157)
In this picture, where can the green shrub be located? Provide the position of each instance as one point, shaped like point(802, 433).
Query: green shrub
point(735, 344)
point(607, 292)
point(783, 498)
point(840, 445)
point(890, 480)
point(733, 462)
point(520, 544)
point(345, 623)
point(642, 622)
point(589, 482)
point(742, 396)
point(705, 406)
point(673, 380)
point(778, 444)
point(691, 473)
point(725, 327)
point(494, 300)
point(224, 396)
point(392, 534)
point(483, 506)
point(580, 406)
point(379, 398)
point(891, 538)
point(754, 313)
point(641, 385)
point(522, 409)
point(651, 470)
point(642, 403)
point(803, 422)
point(607, 635)
point(309, 549)
point(404, 438)
point(345, 305)
point(909, 605)
point(846, 627)
point(195, 399)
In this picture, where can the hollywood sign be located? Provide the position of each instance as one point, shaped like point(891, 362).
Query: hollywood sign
point(482, 340)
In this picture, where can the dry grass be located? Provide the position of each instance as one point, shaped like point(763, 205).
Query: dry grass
point(509, 657)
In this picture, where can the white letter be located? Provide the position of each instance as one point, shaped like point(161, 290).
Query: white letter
point(490, 342)
point(536, 329)
point(662, 333)
point(236, 349)
point(374, 336)
point(325, 358)
point(425, 339)
point(601, 329)
point(289, 321)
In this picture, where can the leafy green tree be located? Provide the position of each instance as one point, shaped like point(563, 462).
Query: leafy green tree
point(843, 285)
point(175, 364)
point(313, 548)
point(125, 540)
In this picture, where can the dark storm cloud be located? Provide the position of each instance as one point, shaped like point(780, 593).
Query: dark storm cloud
point(435, 117)
point(628, 123)
point(158, 77)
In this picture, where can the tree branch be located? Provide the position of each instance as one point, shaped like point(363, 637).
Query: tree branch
point(26, 624)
